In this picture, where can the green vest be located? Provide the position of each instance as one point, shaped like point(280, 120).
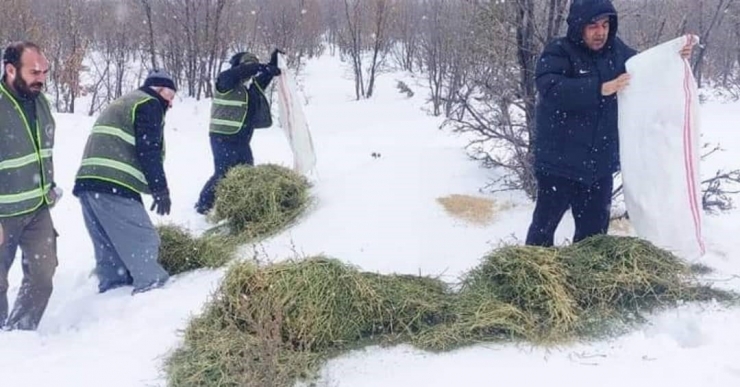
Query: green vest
point(26, 169)
point(110, 152)
point(229, 110)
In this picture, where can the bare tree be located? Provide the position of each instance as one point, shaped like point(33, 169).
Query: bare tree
point(380, 16)
point(720, 8)
point(150, 28)
point(477, 56)
point(499, 111)
point(404, 34)
point(716, 196)
point(19, 21)
point(435, 43)
point(351, 41)
point(363, 29)
point(67, 51)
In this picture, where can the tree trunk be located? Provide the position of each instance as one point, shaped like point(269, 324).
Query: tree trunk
point(150, 26)
point(527, 58)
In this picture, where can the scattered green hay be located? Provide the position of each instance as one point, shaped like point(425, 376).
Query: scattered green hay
point(276, 324)
point(180, 251)
point(327, 304)
point(316, 298)
point(298, 313)
point(616, 281)
point(405, 304)
point(627, 273)
point(596, 288)
point(261, 200)
point(255, 202)
point(516, 292)
point(217, 353)
point(531, 279)
point(477, 317)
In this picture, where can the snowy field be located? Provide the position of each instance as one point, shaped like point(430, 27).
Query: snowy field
point(380, 214)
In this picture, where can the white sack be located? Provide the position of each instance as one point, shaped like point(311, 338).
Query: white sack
point(293, 121)
point(659, 149)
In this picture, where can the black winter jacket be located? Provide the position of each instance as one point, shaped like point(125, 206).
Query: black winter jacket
point(231, 78)
point(576, 127)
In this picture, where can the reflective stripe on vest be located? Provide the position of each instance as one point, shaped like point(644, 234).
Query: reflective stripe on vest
point(110, 152)
point(229, 110)
point(26, 169)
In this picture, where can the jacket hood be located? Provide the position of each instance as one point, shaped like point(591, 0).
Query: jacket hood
point(583, 12)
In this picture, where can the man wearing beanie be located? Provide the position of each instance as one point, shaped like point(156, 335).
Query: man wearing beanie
point(239, 106)
point(123, 159)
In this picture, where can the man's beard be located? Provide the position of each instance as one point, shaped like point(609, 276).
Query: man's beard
point(25, 90)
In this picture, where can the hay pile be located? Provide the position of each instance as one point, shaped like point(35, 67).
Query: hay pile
point(259, 201)
point(594, 288)
point(180, 251)
point(253, 202)
point(271, 325)
point(325, 303)
point(607, 272)
point(529, 281)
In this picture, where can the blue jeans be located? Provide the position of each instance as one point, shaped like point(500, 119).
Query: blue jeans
point(227, 153)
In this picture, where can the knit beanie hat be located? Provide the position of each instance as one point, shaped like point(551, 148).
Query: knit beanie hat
point(157, 77)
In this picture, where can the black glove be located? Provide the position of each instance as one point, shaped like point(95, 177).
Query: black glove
point(274, 58)
point(242, 57)
point(162, 203)
point(236, 58)
point(270, 69)
point(250, 69)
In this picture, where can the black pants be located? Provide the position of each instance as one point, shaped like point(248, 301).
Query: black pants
point(227, 153)
point(590, 206)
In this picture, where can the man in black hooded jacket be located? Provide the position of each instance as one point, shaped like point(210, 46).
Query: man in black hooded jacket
point(576, 145)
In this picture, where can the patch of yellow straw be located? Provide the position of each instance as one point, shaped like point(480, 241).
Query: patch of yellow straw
point(475, 210)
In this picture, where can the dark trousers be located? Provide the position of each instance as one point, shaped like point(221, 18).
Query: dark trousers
point(227, 153)
point(590, 206)
point(35, 235)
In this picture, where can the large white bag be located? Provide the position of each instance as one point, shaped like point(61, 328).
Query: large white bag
point(659, 149)
point(293, 121)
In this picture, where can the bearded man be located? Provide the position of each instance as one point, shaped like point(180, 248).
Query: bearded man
point(27, 189)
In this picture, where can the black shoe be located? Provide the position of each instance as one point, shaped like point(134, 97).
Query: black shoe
point(201, 210)
point(154, 285)
point(102, 288)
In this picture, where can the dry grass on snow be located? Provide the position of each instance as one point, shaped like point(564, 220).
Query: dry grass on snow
point(472, 209)
point(252, 203)
point(276, 324)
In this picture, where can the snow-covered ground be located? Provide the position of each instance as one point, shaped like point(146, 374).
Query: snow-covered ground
point(380, 214)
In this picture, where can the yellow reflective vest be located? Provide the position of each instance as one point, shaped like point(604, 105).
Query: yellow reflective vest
point(26, 165)
point(110, 152)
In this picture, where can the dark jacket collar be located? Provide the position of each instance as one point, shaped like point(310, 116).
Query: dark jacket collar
point(154, 94)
